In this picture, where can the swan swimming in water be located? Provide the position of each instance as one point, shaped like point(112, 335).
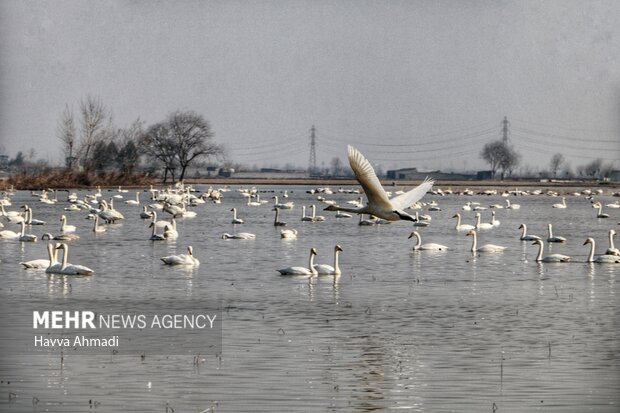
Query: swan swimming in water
point(182, 259)
point(551, 237)
point(288, 234)
point(378, 203)
point(324, 269)
point(134, 201)
point(462, 227)
point(41, 264)
point(23, 237)
point(235, 220)
point(64, 227)
point(239, 235)
point(525, 236)
point(612, 250)
point(276, 219)
point(426, 247)
point(600, 213)
point(549, 258)
point(97, 229)
point(601, 259)
point(302, 270)
point(561, 205)
point(482, 225)
point(484, 248)
point(70, 269)
point(154, 235)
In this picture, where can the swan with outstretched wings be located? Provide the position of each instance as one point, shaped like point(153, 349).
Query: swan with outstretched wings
point(378, 203)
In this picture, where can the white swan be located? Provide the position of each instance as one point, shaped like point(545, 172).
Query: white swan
point(484, 248)
point(551, 237)
point(378, 203)
point(286, 205)
point(561, 205)
point(310, 270)
point(315, 217)
point(525, 236)
point(276, 219)
point(29, 219)
point(495, 222)
point(134, 201)
point(23, 237)
point(324, 269)
point(71, 269)
point(549, 258)
point(98, 229)
point(612, 250)
point(64, 227)
point(288, 233)
point(239, 235)
point(601, 259)
point(367, 222)
point(462, 227)
point(170, 232)
point(154, 235)
point(600, 213)
point(145, 214)
point(512, 206)
point(159, 224)
point(428, 247)
point(8, 234)
point(108, 213)
point(236, 220)
point(53, 264)
point(60, 237)
point(340, 214)
point(304, 217)
point(182, 259)
point(419, 222)
point(482, 225)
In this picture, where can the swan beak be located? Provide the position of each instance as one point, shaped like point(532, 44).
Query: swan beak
point(338, 248)
point(410, 235)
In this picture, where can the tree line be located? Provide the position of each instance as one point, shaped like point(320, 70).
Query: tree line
point(92, 144)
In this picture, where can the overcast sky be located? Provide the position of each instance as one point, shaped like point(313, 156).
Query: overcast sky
point(410, 83)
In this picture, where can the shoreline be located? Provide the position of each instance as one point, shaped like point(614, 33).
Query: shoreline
point(483, 184)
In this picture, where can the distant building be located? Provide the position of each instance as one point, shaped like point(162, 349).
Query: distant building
point(412, 174)
point(484, 175)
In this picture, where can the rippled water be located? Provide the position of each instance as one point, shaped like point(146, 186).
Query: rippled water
point(419, 331)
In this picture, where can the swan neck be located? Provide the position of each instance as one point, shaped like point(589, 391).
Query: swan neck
point(591, 255)
point(611, 240)
point(474, 242)
point(311, 265)
point(540, 251)
point(336, 267)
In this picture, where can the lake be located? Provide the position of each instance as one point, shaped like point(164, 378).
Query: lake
point(420, 331)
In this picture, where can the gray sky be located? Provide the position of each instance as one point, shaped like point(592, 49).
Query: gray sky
point(410, 83)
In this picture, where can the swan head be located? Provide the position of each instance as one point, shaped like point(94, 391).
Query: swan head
point(537, 242)
point(190, 251)
point(338, 248)
point(313, 251)
point(471, 232)
point(46, 236)
point(612, 232)
point(456, 215)
point(63, 218)
point(521, 226)
point(589, 241)
point(413, 234)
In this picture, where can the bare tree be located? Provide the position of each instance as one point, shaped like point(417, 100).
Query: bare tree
point(500, 156)
point(157, 144)
point(65, 131)
point(336, 165)
point(93, 127)
point(593, 169)
point(556, 161)
point(192, 138)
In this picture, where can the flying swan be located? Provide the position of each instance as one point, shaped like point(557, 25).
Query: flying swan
point(378, 203)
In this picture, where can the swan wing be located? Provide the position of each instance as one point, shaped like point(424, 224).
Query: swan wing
point(324, 269)
point(367, 177)
point(410, 197)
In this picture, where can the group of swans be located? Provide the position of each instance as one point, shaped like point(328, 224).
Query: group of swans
point(64, 268)
point(315, 269)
